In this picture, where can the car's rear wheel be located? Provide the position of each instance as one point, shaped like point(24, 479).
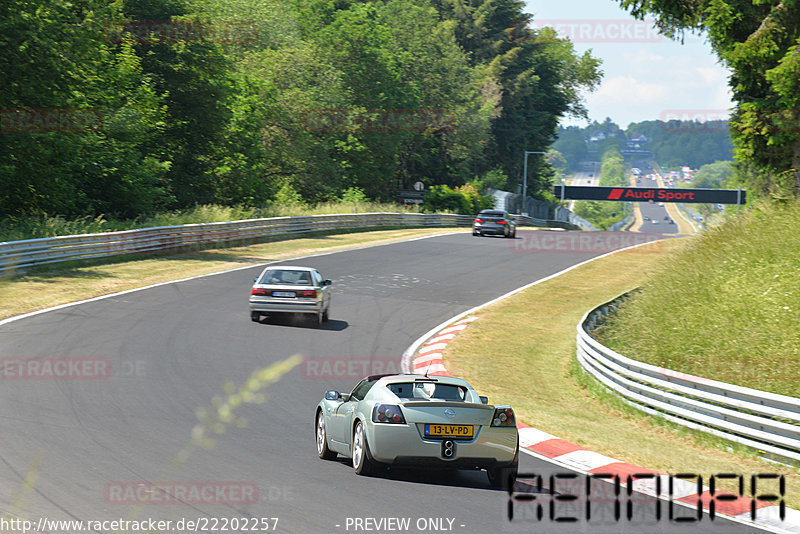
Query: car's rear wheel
point(362, 462)
point(325, 315)
point(503, 478)
point(255, 316)
point(322, 439)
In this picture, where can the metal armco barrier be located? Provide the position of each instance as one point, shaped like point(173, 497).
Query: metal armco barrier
point(765, 421)
point(16, 256)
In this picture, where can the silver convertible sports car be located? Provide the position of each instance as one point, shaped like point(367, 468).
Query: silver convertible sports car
point(418, 421)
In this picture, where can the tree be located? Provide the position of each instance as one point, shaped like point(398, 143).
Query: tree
point(713, 175)
point(95, 155)
point(758, 41)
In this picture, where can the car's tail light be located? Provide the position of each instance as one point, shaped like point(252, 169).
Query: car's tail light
point(307, 293)
point(501, 221)
point(478, 220)
point(258, 291)
point(387, 413)
point(504, 417)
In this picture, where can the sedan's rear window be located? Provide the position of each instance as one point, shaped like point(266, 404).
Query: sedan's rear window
point(286, 277)
point(428, 390)
point(492, 213)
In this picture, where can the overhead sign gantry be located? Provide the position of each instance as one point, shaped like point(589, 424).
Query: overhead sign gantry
point(646, 194)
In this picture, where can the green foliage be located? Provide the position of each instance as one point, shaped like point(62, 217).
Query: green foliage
point(725, 307)
point(557, 161)
point(288, 196)
point(477, 201)
point(354, 195)
point(442, 198)
point(759, 42)
point(309, 100)
point(601, 214)
point(571, 143)
point(713, 175)
point(465, 200)
point(679, 142)
point(613, 171)
point(673, 143)
point(493, 179)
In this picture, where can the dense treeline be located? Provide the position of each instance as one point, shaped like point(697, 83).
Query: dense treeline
point(131, 107)
point(685, 142)
point(759, 42)
point(673, 143)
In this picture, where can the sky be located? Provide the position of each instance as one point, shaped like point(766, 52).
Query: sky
point(646, 76)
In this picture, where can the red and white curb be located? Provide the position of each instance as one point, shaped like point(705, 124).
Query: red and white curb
point(428, 359)
point(429, 356)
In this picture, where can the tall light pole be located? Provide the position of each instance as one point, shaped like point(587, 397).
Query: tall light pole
point(525, 177)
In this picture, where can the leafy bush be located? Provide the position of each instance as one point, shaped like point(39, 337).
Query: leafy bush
point(464, 199)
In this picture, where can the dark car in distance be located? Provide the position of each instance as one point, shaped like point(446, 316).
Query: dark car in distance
point(494, 222)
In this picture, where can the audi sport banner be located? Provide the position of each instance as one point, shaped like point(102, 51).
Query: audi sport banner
point(645, 194)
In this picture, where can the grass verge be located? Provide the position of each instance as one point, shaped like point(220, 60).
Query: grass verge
point(727, 306)
point(522, 352)
point(36, 289)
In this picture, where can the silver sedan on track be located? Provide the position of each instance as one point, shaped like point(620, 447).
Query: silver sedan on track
point(418, 421)
point(494, 222)
point(291, 289)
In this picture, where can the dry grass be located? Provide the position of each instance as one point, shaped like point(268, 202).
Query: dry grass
point(522, 352)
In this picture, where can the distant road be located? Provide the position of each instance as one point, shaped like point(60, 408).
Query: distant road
point(585, 178)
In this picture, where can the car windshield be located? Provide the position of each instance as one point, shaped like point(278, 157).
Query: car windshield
point(428, 390)
point(286, 277)
point(492, 213)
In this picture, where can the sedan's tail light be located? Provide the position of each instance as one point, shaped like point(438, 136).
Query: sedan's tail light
point(501, 221)
point(504, 417)
point(387, 413)
point(258, 291)
point(478, 220)
point(307, 293)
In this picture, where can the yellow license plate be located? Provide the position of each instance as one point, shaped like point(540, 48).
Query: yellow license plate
point(448, 431)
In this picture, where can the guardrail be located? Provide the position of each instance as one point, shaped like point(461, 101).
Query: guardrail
point(17, 256)
point(20, 255)
point(765, 421)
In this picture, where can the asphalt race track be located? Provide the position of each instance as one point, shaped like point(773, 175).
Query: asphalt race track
point(86, 441)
